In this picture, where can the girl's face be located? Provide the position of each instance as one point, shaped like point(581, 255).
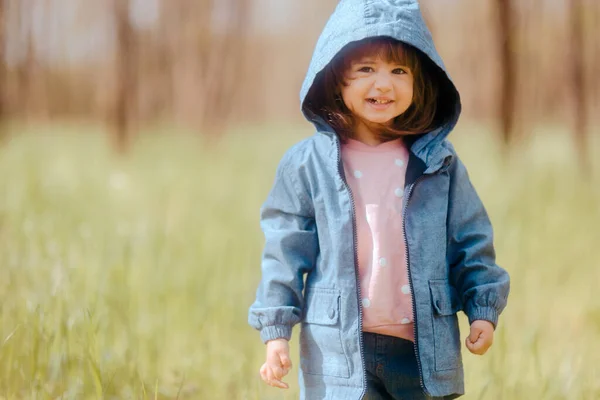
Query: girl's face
point(377, 91)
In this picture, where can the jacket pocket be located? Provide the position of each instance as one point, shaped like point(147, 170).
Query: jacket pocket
point(446, 334)
point(321, 349)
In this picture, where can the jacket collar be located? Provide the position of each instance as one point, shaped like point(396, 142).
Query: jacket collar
point(429, 149)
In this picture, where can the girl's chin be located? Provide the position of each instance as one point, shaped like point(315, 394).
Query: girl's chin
point(380, 121)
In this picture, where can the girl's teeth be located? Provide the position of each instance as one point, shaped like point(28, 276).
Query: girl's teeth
point(380, 101)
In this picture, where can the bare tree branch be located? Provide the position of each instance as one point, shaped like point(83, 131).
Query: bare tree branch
point(508, 72)
point(126, 90)
point(579, 85)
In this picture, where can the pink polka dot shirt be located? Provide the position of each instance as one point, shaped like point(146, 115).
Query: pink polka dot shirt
point(375, 175)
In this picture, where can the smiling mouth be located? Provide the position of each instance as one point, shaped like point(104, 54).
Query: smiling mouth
point(379, 101)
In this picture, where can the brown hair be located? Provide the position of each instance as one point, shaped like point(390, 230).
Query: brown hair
point(424, 114)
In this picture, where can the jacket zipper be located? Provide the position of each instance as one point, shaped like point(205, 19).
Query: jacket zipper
point(356, 272)
point(412, 291)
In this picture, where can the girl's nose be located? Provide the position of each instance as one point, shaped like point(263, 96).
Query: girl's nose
point(383, 82)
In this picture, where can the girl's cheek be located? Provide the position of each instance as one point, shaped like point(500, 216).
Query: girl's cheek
point(404, 79)
point(406, 84)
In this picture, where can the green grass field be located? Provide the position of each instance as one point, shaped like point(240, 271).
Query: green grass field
point(130, 278)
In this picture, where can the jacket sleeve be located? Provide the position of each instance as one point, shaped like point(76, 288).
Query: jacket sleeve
point(291, 248)
point(482, 285)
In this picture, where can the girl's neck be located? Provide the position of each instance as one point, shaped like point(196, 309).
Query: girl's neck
point(366, 133)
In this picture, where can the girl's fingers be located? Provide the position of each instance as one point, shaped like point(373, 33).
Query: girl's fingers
point(286, 363)
point(474, 335)
point(273, 381)
point(263, 373)
point(270, 375)
point(468, 344)
point(277, 372)
point(478, 347)
point(279, 384)
point(278, 364)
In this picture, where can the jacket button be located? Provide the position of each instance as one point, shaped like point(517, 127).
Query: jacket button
point(331, 313)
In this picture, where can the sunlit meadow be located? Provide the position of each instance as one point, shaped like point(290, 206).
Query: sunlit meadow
point(130, 277)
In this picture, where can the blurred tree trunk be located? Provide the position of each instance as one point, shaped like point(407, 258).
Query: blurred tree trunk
point(28, 73)
point(579, 85)
point(508, 70)
point(26, 67)
point(221, 67)
point(126, 87)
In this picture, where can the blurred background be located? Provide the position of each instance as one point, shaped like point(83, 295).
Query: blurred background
point(139, 138)
point(204, 64)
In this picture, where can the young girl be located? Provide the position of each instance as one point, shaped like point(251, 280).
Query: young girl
point(375, 237)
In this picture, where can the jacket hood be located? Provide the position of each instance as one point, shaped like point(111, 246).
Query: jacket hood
point(355, 20)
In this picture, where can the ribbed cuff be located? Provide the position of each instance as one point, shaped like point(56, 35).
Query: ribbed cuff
point(275, 332)
point(484, 313)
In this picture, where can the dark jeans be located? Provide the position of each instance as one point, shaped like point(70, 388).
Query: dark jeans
point(392, 371)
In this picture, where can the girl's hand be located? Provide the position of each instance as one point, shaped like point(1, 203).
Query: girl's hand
point(278, 363)
point(481, 337)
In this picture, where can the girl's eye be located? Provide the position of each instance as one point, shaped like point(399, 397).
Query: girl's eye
point(365, 69)
point(399, 71)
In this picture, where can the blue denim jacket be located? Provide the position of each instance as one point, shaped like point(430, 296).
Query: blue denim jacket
point(309, 272)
